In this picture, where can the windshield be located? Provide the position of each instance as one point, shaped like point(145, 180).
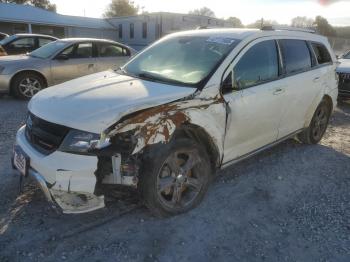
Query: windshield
point(185, 60)
point(7, 39)
point(48, 50)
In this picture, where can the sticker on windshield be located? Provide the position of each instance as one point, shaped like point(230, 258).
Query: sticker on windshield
point(221, 40)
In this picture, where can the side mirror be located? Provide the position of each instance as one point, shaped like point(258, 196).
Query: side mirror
point(229, 84)
point(62, 57)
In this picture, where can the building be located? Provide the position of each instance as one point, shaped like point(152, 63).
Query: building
point(28, 19)
point(141, 30)
point(136, 31)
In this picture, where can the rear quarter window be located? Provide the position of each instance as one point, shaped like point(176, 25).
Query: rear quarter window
point(296, 55)
point(322, 54)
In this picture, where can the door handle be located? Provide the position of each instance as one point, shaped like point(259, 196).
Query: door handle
point(316, 79)
point(90, 66)
point(278, 91)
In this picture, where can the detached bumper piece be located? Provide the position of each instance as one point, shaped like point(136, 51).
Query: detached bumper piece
point(69, 202)
point(40, 181)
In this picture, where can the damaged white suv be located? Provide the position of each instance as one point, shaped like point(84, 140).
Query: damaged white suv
point(190, 104)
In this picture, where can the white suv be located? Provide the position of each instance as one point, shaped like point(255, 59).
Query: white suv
point(190, 104)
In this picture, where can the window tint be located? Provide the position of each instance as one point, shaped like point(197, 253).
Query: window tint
point(83, 50)
point(144, 30)
point(322, 54)
point(257, 65)
point(131, 30)
point(68, 51)
point(111, 50)
point(23, 43)
point(44, 41)
point(296, 55)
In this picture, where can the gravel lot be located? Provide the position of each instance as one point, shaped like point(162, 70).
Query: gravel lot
point(290, 203)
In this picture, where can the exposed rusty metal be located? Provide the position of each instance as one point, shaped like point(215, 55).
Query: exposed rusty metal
point(157, 124)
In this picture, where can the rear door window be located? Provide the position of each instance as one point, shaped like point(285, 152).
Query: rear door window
point(322, 54)
point(44, 41)
point(23, 43)
point(296, 55)
point(111, 50)
point(259, 64)
point(83, 50)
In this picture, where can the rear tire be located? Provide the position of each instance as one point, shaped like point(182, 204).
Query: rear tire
point(27, 84)
point(318, 125)
point(174, 177)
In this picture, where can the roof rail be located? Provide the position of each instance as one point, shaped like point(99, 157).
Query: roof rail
point(287, 28)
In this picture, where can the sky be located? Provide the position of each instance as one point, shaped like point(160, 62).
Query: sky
point(282, 11)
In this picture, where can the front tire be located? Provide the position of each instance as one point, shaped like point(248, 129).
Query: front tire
point(174, 177)
point(318, 125)
point(27, 84)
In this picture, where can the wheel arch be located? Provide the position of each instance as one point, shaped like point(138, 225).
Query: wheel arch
point(202, 137)
point(315, 104)
point(26, 71)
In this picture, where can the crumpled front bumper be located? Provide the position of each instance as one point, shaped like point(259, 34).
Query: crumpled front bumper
point(67, 180)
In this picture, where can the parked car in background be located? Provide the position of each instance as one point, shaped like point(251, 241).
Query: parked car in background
point(3, 36)
point(57, 62)
point(192, 103)
point(343, 71)
point(23, 43)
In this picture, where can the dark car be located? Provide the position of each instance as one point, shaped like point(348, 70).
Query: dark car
point(3, 36)
point(23, 43)
point(343, 71)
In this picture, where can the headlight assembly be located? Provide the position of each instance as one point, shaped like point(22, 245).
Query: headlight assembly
point(81, 142)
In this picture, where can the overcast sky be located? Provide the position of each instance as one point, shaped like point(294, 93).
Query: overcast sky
point(336, 11)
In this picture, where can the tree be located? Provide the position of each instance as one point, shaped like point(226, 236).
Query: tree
point(262, 22)
point(302, 22)
point(121, 8)
point(203, 11)
point(44, 4)
point(235, 22)
point(323, 27)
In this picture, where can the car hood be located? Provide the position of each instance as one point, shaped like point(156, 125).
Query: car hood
point(344, 66)
point(95, 102)
point(16, 59)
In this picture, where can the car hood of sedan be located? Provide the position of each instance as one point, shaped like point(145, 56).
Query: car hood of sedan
point(15, 59)
point(95, 102)
point(344, 66)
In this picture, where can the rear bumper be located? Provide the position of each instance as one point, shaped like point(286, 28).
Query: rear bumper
point(344, 92)
point(5, 83)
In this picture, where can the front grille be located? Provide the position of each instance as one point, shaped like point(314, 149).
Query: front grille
point(44, 136)
point(344, 76)
point(344, 82)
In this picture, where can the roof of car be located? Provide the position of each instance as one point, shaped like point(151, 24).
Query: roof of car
point(78, 39)
point(243, 33)
point(74, 40)
point(35, 35)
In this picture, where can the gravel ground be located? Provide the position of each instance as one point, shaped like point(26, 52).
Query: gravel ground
point(290, 203)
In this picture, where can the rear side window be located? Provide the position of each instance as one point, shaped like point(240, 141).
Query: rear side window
point(296, 55)
point(44, 41)
point(111, 50)
point(259, 64)
point(322, 54)
point(27, 42)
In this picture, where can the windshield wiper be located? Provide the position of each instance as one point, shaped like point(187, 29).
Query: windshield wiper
point(159, 78)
